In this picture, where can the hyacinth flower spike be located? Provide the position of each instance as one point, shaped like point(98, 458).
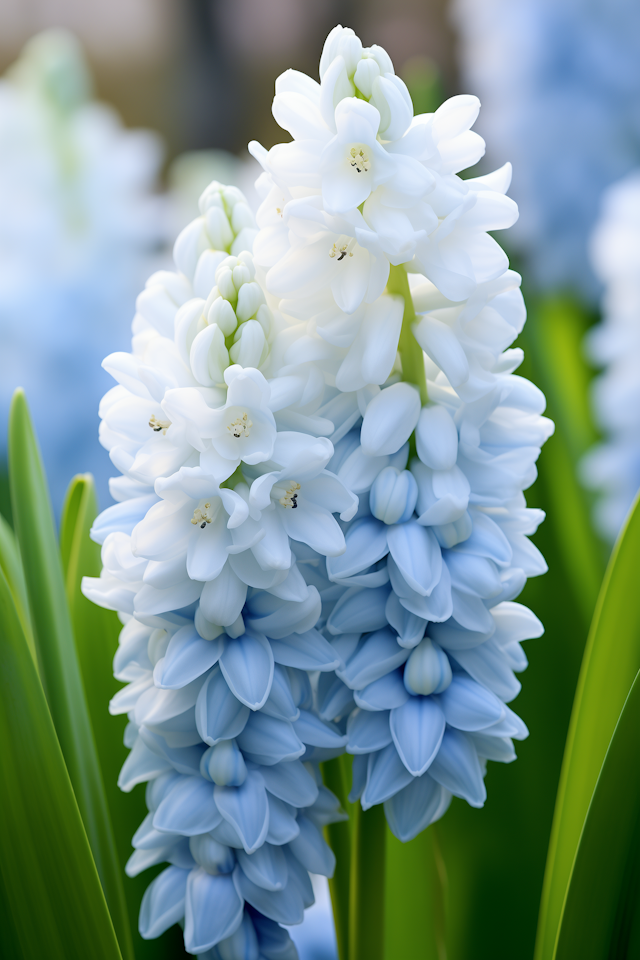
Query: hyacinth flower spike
point(320, 528)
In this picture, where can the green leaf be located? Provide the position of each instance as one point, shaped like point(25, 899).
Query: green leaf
point(11, 566)
point(50, 893)
point(96, 634)
point(595, 906)
point(610, 664)
point(60, 672)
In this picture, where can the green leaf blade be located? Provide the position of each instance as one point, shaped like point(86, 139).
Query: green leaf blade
point(610, 664)
point(51, 890)
point(608, 847)
point(55, 644)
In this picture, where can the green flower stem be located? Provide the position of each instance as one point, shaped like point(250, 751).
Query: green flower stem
point(338, 835)
point(366, 906)
point(411, 355)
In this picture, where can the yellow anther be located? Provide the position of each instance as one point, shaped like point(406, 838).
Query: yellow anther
point(240, 427)
point(202, 516)
point(290, 498)
point(158, 425)
point(358, 160)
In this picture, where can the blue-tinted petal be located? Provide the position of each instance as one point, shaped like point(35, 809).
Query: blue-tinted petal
point(213, 910)
point(417, 729)
point(247, 810)
point(268, 740)
point(247, 666)
point(292, 783)
point(219, 715)
point(188, 808)
point(368, 732)
point(267, 867)
point(411, 810)
point(187, 657)
point(163, 902)
point(458, 769)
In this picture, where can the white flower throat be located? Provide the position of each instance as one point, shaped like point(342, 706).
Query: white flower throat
point(158, 425)
point(342, 248)
point(358, 160)
point(289, 498)
point(240, 427)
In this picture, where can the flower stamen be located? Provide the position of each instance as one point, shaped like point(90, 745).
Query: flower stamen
point(202, 516)
point(158, 425)
point(290, 498)
point(240, 427)
point(342, 249)
point(358, 160)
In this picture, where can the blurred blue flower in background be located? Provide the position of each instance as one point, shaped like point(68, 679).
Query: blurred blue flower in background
point(613, 466)
point(80, 229)
point(560, 91)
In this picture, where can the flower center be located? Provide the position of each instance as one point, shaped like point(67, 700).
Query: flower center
point(358, 160)
point(158, 425)
point(289, 499)
point(240, 427)
point(202, 516)
point(342, 248)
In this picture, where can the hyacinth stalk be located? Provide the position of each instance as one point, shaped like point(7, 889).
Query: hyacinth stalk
point(320, 528)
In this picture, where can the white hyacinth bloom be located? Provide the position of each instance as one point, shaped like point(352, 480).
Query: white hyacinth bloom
point(79, 230)
point(613, 466)
point(319, 551)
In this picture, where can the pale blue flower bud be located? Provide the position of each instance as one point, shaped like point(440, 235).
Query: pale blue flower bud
point(428, 669)
point(224, 764)
point(393, 495)
point(212, 856)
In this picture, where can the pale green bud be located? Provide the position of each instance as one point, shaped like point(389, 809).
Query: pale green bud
point(209, 357)
point(250, 298)
point(219, 228)
point(224, 282)
point(366, 72)
point(250, 348)
point(265, 318)
point(221, 313)
point(240, 275)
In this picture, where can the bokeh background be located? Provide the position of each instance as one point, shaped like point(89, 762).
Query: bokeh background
point(560, 85)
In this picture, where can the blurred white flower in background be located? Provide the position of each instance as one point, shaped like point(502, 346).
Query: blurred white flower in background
point(80, 228)
point(560, 91)
point(613, 466)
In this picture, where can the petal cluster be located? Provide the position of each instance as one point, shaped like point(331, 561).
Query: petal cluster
point(312, 552)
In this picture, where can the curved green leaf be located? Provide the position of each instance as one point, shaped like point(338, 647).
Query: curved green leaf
point(51, 893)
point(611, 662)
point(96, 634)
point(57, 656)
point(11, 566)
point(592, 920)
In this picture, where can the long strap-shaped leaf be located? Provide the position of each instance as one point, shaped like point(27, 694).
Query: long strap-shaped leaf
point(50, 887)
point(96, 633)
point(57, 656)
point(611, 662)
point(592, 926)
point(11, 566)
